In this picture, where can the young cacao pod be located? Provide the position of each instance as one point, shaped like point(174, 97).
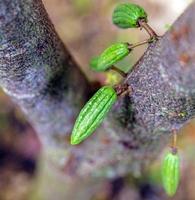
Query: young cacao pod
point(171, 173)
point(127, 15)
point(111, 55)
point(93, 113)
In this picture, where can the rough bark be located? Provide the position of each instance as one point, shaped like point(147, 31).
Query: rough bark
point(37, 71)
point(39, 74)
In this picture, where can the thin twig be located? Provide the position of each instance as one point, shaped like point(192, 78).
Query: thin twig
point(143, 24)
point(132, 46)
point(174, 142)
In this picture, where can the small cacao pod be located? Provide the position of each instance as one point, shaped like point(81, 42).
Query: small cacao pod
point(171, 173)
point(93, 114)
point(111, 55)
point(127, 15)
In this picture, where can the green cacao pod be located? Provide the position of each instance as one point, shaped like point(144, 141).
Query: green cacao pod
point(127, 15)
point(111, 55)
point(171, 173)
point(93, 114)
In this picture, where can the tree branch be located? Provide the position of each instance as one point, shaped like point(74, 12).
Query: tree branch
point(163, 99)
point(37, 71)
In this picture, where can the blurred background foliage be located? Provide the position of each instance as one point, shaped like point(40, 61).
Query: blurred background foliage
point(86, 28)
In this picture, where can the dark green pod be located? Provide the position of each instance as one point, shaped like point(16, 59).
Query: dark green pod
point(112, 55)
point(93, 114)
point(171, 173)
point(127, 15)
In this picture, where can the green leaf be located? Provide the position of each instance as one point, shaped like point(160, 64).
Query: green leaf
point(93, 113)
point(127, 15)
point(171, 173)
point(110, 56)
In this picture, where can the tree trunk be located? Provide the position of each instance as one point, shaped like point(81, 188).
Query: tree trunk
point(39, 74)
